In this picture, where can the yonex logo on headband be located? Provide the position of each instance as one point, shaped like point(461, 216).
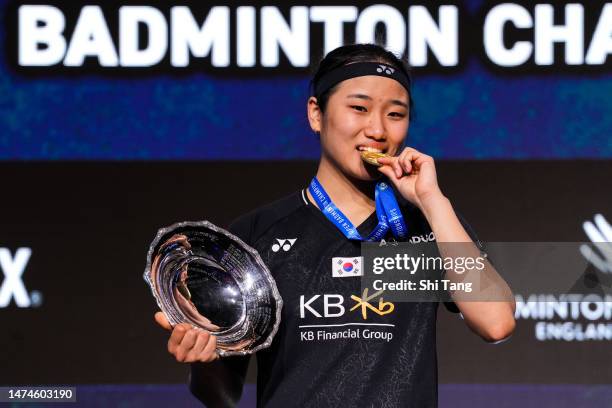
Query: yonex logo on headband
point(358, 69)
point(385, 69)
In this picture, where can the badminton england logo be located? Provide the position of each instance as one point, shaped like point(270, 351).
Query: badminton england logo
point(600, 233)
point(575, 317)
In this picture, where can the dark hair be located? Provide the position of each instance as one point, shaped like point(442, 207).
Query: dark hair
point(348, 54)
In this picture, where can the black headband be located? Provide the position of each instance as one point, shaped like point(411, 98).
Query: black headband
point(361, 69)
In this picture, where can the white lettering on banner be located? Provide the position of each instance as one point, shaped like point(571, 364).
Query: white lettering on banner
point(48, 34)
point(442, 38)
point(393, 21)
point(129, 20)
point(494, 24)
point(13, 268)
point(570, 331)
point(571, 306)
point(245, 33)
point(570, 33)
point(569, 310)
point(43, 41)
point(333, 18)
point(91, 38)
point(601, 44)
point(212, 38)
point(276, 33)
point(546, 34)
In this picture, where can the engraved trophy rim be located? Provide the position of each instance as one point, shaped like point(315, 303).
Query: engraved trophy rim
point(164, 231)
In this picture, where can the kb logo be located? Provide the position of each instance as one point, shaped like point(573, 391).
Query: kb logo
point(333, 305)
point(12, 286)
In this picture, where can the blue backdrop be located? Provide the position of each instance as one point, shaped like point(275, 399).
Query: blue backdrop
point(471, 114)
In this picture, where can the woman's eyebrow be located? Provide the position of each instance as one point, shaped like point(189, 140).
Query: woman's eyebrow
point(368, 98)
point(360, 96)
point(400, 103)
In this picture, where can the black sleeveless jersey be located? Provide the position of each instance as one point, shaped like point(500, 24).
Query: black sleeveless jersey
point(329, 350)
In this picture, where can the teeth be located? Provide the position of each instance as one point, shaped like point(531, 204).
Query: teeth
point(369, 149)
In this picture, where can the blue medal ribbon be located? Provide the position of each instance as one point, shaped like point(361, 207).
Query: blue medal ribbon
point(387, 212)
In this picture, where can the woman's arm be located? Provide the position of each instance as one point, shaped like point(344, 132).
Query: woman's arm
point(493, 320)
point(414, 175)
point(214, 381)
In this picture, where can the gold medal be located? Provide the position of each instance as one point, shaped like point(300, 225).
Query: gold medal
point(372, 157)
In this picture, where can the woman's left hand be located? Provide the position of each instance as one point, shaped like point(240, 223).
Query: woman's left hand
point(413, 174)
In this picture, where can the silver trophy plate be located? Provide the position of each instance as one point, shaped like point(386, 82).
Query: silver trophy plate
point(205, 276)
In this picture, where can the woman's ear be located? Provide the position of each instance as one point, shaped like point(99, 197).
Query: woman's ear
point(314, 114)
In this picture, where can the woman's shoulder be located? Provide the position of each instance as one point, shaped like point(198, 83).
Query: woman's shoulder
point(254, 223)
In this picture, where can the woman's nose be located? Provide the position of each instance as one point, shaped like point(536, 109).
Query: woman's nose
point(375, 128)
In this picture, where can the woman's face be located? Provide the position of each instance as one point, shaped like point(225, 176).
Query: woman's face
point(367, 112)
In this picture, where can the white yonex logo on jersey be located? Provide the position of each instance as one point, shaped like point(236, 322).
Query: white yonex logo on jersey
point(12, 268)
point(385, 69)
point(345, 267)
point(285, 244)
point(600, 234)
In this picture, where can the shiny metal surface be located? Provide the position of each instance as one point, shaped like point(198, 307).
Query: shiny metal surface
point(203, 275)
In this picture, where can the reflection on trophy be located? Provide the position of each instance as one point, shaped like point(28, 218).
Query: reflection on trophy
point(203, 275)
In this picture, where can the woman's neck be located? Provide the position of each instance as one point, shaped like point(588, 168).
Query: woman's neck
point(353, 197)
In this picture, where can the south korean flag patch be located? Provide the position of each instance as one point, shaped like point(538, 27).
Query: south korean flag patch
point(347, 267)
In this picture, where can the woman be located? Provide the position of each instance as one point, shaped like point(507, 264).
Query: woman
point(332, 350)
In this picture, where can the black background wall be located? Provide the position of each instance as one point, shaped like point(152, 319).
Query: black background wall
point(89, 225)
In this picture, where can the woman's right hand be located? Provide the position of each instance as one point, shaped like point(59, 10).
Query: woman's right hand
point(188, 344)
